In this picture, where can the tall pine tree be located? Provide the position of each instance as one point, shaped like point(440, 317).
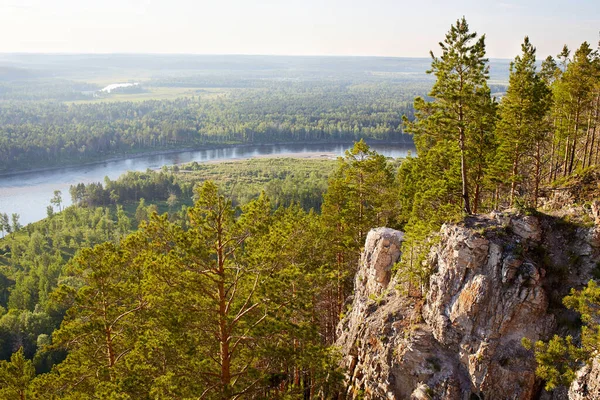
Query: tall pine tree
point(461, 72)
point(522, 120)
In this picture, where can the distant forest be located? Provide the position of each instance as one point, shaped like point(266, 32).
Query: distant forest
point(48, 133)
point(52, 114)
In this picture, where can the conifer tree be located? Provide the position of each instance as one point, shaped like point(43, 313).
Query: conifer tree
point(15, 376)
point(559, 359)
point(359, 197)
point(573, 94)
point(482, 143)
point(522, 125)
point(102, 324)
point(461, 71)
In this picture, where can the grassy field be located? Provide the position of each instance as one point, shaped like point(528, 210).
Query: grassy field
point(255, 171)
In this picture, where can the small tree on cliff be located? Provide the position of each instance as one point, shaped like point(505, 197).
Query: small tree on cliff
point(559, 359)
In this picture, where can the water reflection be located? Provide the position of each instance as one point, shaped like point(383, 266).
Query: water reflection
point(28, 194)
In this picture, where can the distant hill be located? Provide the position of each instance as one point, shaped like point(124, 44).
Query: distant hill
point(12, 73)
point(67, 65)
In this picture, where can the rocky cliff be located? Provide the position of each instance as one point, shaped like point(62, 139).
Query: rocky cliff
point(495, 280)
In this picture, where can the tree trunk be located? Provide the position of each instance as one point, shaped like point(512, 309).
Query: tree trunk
point(551, 161)
point(587, 139)
point(538, 169)
point(463, 172)
point(463, 161)
point(225, 356)
point(110, 353)
point(496, 196)
point(577, 114)
point(360, 209)
point(476, 198)
point(340, 288)
point(554, 147)
point(515, 170)
point(566, 161)
point(593, 134)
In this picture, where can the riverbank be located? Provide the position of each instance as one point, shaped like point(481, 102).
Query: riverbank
point(305, 156)
point(126, 156)
point(28, 193)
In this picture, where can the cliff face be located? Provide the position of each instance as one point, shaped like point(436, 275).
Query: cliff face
point(496, 279)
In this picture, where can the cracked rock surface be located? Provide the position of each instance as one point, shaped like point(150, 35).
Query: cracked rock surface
point(493, 280)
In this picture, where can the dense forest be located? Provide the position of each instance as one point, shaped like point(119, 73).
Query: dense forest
point(32, 257)
point(53, 112)
point(37, 299)
point(224, 293)
point(48, 133)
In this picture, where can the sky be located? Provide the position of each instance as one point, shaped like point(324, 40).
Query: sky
point(396, 28)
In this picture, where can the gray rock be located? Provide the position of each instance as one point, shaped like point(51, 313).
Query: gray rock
point(527, 227)
point(481, 302)
point(464, 337)
point(587, 384)
point(382, 250)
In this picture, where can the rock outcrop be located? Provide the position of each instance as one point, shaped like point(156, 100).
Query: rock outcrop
point(382, 250)
point(493, 279)
point(587, 384)
point(483, 298)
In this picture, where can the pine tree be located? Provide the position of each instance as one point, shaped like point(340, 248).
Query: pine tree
point(359, 198)
point(573, 94)
point(15, 376)
point(559, 359)
point(461, 72)
point(101, 326)
point(521, 130)
point(482, 143)
point(207, 297)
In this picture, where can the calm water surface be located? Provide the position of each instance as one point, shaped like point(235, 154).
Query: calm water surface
point(29, 193)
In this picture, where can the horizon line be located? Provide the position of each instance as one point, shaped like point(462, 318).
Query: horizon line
point(218, 54)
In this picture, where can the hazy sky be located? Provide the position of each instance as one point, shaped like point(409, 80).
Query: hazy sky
point(310, 27)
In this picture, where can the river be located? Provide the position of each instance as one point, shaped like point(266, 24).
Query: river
point(29, 193)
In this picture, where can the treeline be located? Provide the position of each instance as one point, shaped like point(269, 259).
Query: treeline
point(284, 181)
point(131, 187)
point(44, 133)
point(43, 89)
